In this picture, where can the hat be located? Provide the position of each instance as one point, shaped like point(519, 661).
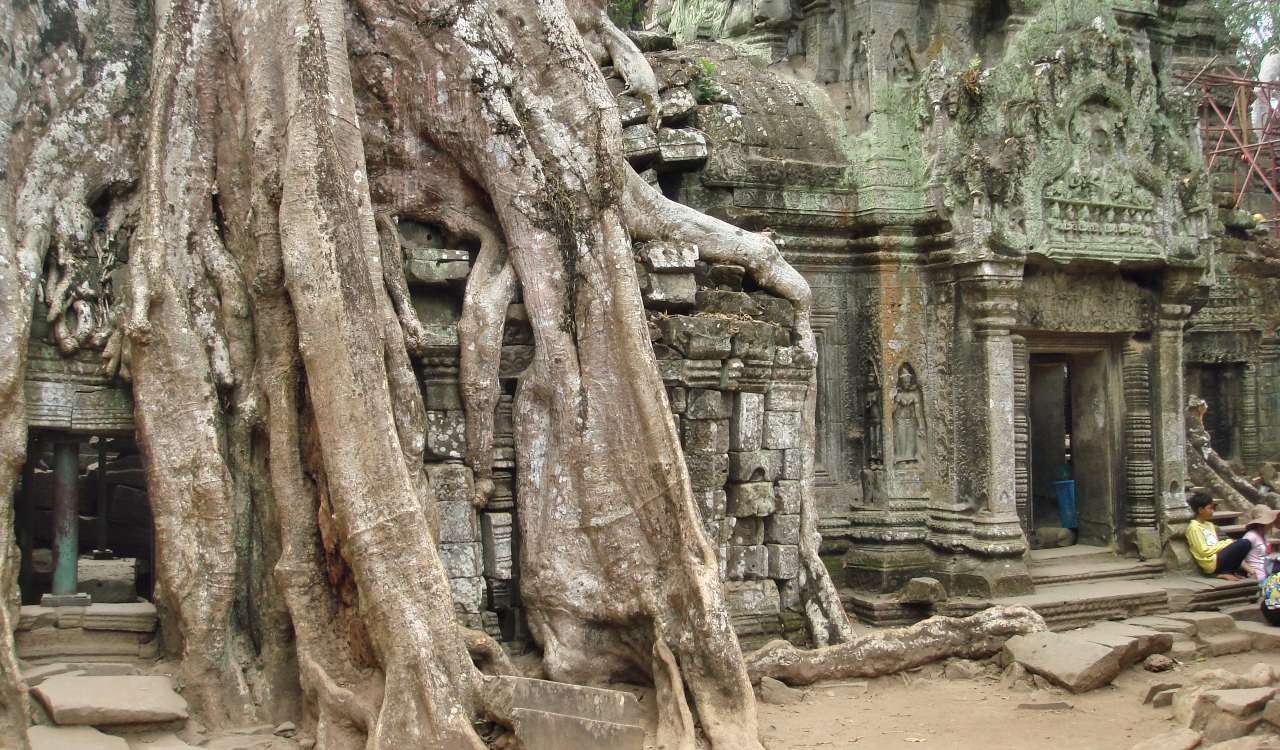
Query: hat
point(1260, 514)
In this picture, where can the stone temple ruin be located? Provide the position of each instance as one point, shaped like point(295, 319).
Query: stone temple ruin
point(1020, 276)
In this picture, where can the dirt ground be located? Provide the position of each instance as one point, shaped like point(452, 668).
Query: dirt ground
point(923, 710)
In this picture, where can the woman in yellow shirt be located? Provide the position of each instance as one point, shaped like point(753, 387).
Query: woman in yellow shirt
point(1215, 556)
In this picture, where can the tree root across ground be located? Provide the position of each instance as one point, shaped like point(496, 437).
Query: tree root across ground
point(251, 160)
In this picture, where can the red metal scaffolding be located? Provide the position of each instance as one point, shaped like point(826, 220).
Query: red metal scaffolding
point(1237, 150)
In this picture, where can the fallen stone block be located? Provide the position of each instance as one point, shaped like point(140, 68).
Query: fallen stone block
point(1271, 712)
point(1158, 688)
point(73, 738)
point(1242, 701)
point(541, 730)
point(962, 669)
point(110, 700)
point(1222, 644)
point(922, 591)
point(108, 581)
point(1163, 699)
point(1206, 623)
point(614, 706)
point(1178, 739)
point(153, 741)
point(1158, 663)
point(72, 643)
point(1265, 637)
point(1126, 649)
point(777, 693)
point(1163, 624)
point(1077, 665)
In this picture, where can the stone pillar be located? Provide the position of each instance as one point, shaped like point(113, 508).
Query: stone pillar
point(66, 524)
point(987, 560)
point(1140, 481)
point(1022, 432)
point(1169, 417)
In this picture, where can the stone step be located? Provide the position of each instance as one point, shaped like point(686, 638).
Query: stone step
point(36, 674)
point(1074, 605)
point(1206, 623)
point(111, 632)
point(1266, 637)
point(598, 704)
point(1112, 569)
point(112, 700)
point(545, 730)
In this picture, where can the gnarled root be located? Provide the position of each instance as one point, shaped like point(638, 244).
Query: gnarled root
point(890, 651)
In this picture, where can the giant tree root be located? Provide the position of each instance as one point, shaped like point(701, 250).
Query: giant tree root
point(1209, 470)
point(895, 650)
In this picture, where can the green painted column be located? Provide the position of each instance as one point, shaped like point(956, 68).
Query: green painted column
point(66, 514)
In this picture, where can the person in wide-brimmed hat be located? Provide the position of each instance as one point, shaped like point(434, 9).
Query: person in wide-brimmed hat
point(1257, 522)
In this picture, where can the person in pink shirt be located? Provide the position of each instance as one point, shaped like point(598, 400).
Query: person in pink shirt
point(1257, 524)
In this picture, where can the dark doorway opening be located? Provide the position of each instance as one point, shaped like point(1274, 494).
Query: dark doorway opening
point(1073, 439)
point(1221, 387)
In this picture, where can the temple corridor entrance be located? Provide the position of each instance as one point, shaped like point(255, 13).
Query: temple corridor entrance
point(1074, 444)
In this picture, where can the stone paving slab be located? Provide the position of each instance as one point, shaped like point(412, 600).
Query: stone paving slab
point(74, 700)
point(73, 738)
point(1075, 664)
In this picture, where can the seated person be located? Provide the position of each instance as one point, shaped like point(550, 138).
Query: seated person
point(1216, 557)
point(1270, 598)
point(1258, 523)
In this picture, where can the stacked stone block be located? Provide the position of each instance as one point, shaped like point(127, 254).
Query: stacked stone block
point(458, 529)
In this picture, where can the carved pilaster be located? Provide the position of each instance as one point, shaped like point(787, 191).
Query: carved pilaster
point(1169, 419)
point(1250, 448)
point(1021, 432)
point(993, 544)
point(1139, 451)
point(821, 46)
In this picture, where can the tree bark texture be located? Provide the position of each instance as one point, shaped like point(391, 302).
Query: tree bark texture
point(885, 652)
point(256, 158)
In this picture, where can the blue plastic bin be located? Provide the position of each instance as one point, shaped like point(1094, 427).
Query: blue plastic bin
point(1066, 492)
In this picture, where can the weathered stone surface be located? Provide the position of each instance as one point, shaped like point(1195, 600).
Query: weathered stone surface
point(747, 423)
point(1265, 637)
point(446, 433)
point(69, 643)
point(137, 617)
point(31, 616)
point(433, 266)
point(1178, 739)
point(1241, 701)
point(1131, 643)
point(782, 429)
point(541, 730)
point(462, 560)
point(751, 499)
point(747, 563)
point(1163, 624)
point(73, 738)
point(755, 341)
point(922, 590)
point(780, 529)
point(676, 104)
point(1163, 699)
point(705, 435)
point(665, 257)
point(784, 560)
point(1206, 623)
point(720, 302)
point(746, 532)
point(759, 596)
point(777, 693)
point(452, 483)
point(703, 403)
point(639, 142)
point(1253, 742)
point(458, 522)
point(787, 496)
point(1222, 644)
point(108, 581)
point(495, 539)
point(1158, 663)
point(750, 466)
point(680, 147)
point(669, 290)
point(110, 700)
point(698, 338)
point(614, 706)
point(1079, 666)
point(707, 471)
point(468, 594)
